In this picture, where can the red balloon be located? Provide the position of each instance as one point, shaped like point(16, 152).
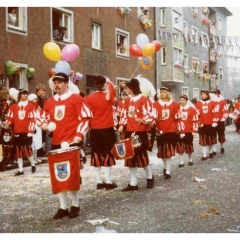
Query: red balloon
point(135, 50)
point(157, 44)
point(52, 71)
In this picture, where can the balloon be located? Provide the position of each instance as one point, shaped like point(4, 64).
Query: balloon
point(9, 63)
point(71, 72)
point(52, 51)
point(144, 65)
point(52, 71)
point(10, 71)
point(142, 40)
point(31, 70)
point(148, 49)
point(70, 52)
point(146, 61)
point(81, 76)
point(135, 50)
point(62, 66)
point(157, 45)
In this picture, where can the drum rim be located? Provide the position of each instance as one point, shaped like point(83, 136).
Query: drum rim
point(60, 150)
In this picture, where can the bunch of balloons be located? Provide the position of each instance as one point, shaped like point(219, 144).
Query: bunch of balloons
point(30, 73)
point(144, 49)
point(77, 76)
point(123, 10)
point(146, 23)
point(69, 53)
point(11, 69)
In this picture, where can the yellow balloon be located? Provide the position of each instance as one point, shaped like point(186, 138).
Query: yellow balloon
point(148, 49)
point(146, 66)
point(52, 51)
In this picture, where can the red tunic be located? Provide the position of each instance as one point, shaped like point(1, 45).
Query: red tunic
point(222, 109)
point(189, 120)
point(102, 110)
point(166, 115)
point(137, 107)
point(69, 113)
point(22, 116)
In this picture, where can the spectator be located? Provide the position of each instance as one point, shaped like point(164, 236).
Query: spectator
point(12, 16)
point(58, 33)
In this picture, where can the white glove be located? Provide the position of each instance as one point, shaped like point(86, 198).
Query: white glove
point(193, 133)
point(43, 126)
point(214, 124)
point(223, 120)
point(77, 139)
point(182, 135)
point(29, 134)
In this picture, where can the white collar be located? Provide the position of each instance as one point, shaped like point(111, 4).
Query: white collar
point(185, 107)
point(135, 98)
point(63, 96)
point(23, 103)
point(165, 103)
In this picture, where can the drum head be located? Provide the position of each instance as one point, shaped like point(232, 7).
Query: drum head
point(60, 150)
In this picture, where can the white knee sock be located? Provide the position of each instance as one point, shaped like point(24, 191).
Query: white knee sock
point(34, 150)
point(164, 163)
point(20, 164)
point(204, 151)
point(74, 198)
point(133, 175)
point(63, 200)
point(108, 174)
point(148, 172)
point(221, 145)
point(167, 165)
point(181, 158)
point(98, 174)
point(31, 160)
point(214, 148)
point(190, 157)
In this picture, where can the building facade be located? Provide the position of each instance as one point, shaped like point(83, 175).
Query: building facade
point(103, 35)
point(193, 46)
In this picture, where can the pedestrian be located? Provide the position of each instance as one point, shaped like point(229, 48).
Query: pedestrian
point(166, 114)
point(70, 115)
point(187, 127)
point(207, 114)
point(222, 115)
point(137, 117)
point(237, 113)
point(21, 116)
point(58, 34)
point(102, 133)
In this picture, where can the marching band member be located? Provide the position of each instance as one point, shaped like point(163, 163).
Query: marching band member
point(71, 115)
point(166, 113)
point(222, 115)
point(207, 113)
point(187, 127)
point(102, 132)
point(236, 115)
point(137, 117)
point(22, 116)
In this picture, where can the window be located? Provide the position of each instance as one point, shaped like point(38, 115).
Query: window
point(163, 21)
point(122, 43)
point(220, 24)
point(185, 29)
point(195, 11)
point(177, 56)
point(220, 73)
point(205, 40)
point(195, 35)
point(163, 56)
point(196, 93)
point(185, 63)
point(18, 79)
point(205, 67)
point(143, 11)
point(96, 36)
point(121, 84)
point(195, 64)
point(185, 91)
point(177, 20)
point(62, 25)
point(16, 19)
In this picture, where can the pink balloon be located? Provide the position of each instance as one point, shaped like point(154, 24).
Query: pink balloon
point(70, 52)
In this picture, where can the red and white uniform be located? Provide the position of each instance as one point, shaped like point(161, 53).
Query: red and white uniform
point(188, 123)
point(69, 113)
point(22, 116)
point(222, 109)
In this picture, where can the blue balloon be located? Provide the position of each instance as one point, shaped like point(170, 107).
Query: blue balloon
point(62, 66)
point(146, 61)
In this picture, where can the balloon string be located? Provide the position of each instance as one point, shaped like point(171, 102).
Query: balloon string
point(135, 70)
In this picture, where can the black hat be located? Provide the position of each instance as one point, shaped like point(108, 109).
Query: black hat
point(99, 81)
point(216, 91)
point(184, 96)
point(205, 90)
point(60, 77)
point(22, 91)
point(133, 84)
point(165, 88)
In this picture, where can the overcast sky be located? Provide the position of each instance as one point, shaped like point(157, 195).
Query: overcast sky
point(233, 22)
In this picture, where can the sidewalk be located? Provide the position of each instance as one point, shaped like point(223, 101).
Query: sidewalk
point(177, 205)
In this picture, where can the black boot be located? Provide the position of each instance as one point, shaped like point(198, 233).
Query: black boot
point(150, 182)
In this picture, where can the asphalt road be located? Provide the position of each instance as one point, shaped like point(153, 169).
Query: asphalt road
point(177, 205)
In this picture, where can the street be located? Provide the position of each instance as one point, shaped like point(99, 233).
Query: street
point(176, 205)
